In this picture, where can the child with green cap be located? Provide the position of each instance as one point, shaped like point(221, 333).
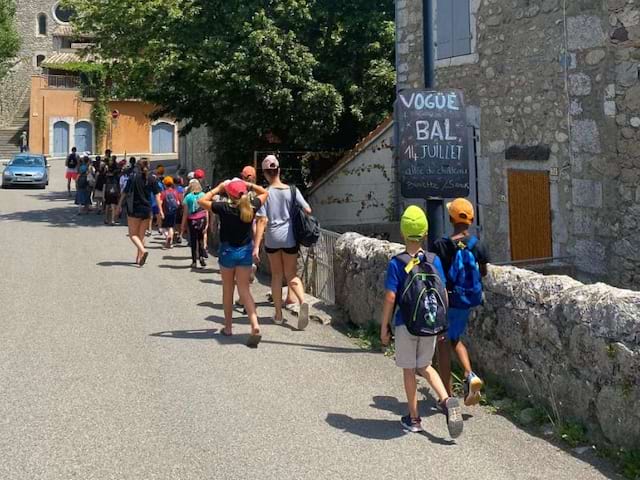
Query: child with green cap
point(415, 284)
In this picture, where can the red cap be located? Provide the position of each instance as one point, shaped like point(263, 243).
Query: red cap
point(249, 172)
point(236, 188)
point(199, 174)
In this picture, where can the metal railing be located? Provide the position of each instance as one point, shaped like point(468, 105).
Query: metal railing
point(63, 81)
point(317, 272)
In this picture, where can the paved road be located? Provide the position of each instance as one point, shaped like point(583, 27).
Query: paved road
point(112, 372)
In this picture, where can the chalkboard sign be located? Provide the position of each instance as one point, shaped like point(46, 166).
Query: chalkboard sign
point(433, 157)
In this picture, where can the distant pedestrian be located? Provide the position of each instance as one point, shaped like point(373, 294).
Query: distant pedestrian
point(171, 203)
point(24, 142)
point(415, 283)
point(83, 193)
point(98, 191)
point(236, 247)
point(194, 221)
point(71, 164)
point(140, 187)
point(274, 225)
point(111, 194)
point(179, 186)
point(465, 260)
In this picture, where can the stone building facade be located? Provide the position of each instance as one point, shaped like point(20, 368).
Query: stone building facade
point(15, 88)
point(556, 90)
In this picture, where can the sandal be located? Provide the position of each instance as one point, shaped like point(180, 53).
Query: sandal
point(143, 259)
point(254, 340)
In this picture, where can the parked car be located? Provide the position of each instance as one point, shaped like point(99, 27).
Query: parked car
point(26, 169)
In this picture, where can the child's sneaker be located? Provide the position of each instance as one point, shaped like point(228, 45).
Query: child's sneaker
point(413, 425)
point(451, 408)
point(472, 387)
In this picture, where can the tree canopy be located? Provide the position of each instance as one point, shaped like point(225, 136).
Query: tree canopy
point(9, 40)
point(311, 72)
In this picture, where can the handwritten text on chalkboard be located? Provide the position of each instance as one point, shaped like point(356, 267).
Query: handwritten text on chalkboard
point(433, 154)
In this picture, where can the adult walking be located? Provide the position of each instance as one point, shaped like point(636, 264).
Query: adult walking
point(111, 194)
point(140, 188)
point(195, 221)
point(71, 172)
point(236, 246)
point(24, 142)
point(274, 224)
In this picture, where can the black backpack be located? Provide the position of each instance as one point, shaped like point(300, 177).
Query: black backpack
point(423, 301)
point(306, 228)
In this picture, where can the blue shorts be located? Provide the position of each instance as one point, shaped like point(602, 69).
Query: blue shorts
point(232, 257)
point(458, 320)
point(155, 209)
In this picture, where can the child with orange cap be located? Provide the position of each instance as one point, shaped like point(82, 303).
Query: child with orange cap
point(464, 259)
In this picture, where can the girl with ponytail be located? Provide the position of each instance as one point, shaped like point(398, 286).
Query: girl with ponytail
point(236, 246)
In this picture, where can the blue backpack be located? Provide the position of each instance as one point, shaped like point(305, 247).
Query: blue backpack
point(464, 276)
point(423, 301)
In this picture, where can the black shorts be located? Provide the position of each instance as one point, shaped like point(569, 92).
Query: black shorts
point(289, 251)
point(141, 213)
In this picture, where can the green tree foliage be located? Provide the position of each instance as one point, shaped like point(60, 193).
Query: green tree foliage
point(304, 70)
point(9, 40)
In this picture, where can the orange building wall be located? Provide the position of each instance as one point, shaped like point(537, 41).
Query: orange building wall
point(130, 133)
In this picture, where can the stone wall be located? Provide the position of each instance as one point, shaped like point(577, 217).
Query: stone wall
point(15, 87)
point(564, 343)
point(562, 76)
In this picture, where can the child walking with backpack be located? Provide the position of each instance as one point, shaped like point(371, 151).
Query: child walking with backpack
point(415, 289)
point(465, 259)
point(171, 203)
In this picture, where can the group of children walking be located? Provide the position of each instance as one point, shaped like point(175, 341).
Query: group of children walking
point(432, 295)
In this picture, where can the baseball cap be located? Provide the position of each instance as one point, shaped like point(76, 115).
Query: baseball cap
point(199, 174)
point(236, 188)
point(461, 211)
point(270, 163)
point(191, 175)
point(168, 181)
point(414, 224)
point(248, 171)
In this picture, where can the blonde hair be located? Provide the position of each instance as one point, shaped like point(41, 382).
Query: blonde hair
point(246, 210)
point(195, 186)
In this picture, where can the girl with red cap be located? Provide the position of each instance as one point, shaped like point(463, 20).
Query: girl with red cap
point(236, 246)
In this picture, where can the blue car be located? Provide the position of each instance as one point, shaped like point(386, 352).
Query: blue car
point(26, 169)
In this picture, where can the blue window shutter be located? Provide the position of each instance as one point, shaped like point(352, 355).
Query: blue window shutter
point(444, 14)
point(461, 28)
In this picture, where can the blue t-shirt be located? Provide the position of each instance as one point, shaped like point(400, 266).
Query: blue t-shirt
point(396, 275)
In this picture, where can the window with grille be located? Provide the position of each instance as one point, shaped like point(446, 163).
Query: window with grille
point(42, 24)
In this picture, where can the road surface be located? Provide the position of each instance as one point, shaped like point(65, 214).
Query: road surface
point(108, 371)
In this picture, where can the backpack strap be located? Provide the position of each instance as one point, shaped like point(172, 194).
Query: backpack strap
point(294, 194)
point(472, 242)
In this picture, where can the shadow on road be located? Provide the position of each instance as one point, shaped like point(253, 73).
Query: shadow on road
point(53, 196)
point(219, 306)
point(206, 334)
point(211, 281)
point(117, 264)
point(376, 429)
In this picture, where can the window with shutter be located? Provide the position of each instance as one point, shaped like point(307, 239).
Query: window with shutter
point(454, 28)
point(42, 24)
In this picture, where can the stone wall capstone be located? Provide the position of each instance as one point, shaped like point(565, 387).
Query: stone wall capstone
point(569, 346)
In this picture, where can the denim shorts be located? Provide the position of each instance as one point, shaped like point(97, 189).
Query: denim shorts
point(232, 257)
point(458, 319)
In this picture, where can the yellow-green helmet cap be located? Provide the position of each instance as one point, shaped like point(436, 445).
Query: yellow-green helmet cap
point(414, 224)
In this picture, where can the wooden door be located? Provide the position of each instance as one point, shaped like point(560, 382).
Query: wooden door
point(530, 215)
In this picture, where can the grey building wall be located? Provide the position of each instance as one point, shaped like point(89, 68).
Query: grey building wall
point(15, 88)
point(560, 74)
point(196, 150)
